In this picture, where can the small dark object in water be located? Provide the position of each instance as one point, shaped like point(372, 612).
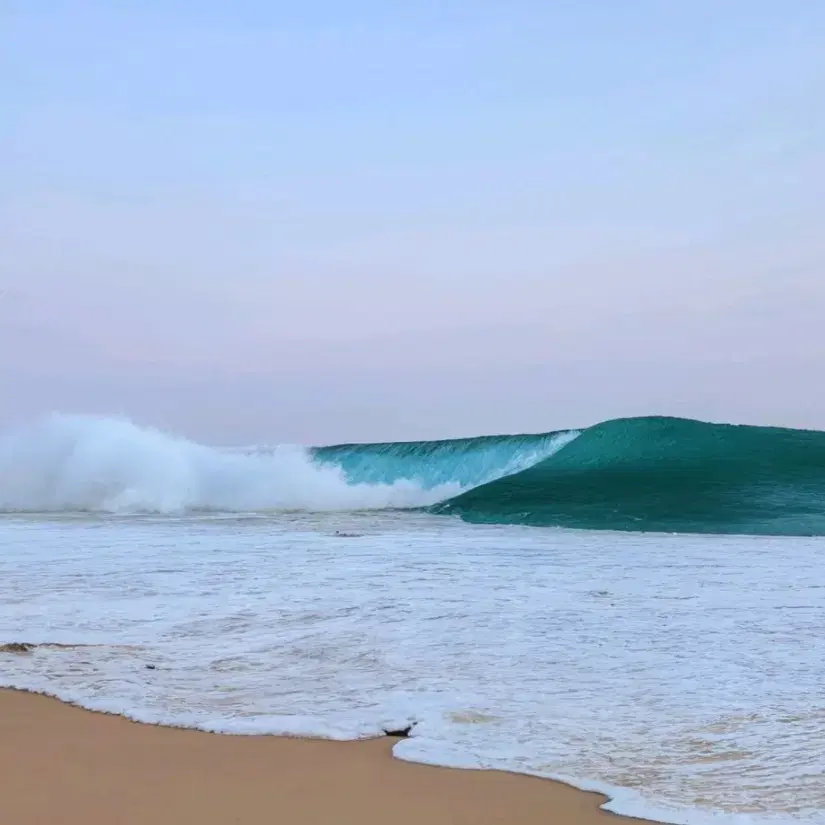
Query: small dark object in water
point(17, 647)
point(343, 535)
point(401, 733)
point(151, 667)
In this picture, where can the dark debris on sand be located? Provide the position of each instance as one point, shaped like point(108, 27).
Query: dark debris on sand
point(400, 733)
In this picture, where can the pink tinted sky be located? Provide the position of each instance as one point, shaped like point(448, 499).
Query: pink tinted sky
point(271, 224)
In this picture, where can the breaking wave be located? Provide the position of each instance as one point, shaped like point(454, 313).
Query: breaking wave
point(92, 464)
point(640, 474)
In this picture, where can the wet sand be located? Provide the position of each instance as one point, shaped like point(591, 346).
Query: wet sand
point(60, 765)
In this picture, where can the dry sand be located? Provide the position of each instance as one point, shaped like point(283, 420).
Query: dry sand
point(60, 765)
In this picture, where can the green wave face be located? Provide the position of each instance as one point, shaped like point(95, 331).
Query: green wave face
point(668, 475)
point(464, 462)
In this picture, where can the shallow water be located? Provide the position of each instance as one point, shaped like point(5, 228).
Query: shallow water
point(685, 675)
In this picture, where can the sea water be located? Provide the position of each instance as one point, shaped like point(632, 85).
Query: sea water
point(682, 675)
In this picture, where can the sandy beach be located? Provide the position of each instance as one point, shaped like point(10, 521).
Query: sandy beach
point(60, 765)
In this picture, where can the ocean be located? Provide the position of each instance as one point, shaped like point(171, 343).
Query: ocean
point(636, 607)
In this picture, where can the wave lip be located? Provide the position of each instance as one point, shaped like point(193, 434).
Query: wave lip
point(463, 462)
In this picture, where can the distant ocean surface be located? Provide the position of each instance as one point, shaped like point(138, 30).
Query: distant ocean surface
point(637, 607)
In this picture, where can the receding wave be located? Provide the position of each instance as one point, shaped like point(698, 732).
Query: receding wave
point(639, 474)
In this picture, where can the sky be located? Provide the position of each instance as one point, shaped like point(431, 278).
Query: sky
point(316, 222)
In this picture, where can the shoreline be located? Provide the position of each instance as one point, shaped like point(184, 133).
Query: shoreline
point(62, 763)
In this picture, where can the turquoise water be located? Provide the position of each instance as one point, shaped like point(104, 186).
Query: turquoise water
point(640, 474)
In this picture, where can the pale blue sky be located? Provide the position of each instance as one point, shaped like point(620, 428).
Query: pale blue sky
point(362, 220)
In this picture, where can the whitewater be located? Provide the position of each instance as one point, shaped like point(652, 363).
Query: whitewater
point(635, 608)
point(87, 463)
